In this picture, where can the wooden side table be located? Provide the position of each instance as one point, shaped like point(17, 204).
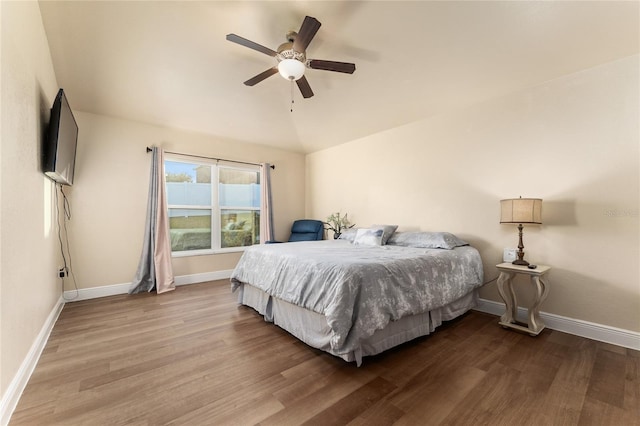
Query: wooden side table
point(505, 288)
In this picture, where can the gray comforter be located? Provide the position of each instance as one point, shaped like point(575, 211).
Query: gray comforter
point(359, 289)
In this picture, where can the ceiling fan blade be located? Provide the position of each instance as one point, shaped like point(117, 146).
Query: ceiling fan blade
point(304, 87)
point(308, 30)
point(345, 67)
point(258, 78)
point(251, 45)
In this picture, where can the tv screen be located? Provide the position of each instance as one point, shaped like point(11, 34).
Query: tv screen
point(59, 153)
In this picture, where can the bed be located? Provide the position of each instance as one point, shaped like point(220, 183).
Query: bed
point(360, 297)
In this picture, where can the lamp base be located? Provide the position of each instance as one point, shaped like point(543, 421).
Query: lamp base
point(520, 260)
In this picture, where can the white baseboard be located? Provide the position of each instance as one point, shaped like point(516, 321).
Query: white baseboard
point(204, 277)
point(112, 290)
point(602, 333)
point(599, 332)
point(14, 391)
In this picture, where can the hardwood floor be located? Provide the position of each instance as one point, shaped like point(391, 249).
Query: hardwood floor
point(193, 357)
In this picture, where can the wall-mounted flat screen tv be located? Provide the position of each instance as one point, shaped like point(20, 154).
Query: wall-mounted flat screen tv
point(59, 151)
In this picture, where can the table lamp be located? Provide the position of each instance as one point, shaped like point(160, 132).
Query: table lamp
point(521, 211)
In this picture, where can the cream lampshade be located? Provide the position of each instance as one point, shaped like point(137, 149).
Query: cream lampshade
point(521, 211)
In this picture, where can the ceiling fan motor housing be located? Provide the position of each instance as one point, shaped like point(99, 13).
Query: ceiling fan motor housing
point(291, 63)
point(285, 51)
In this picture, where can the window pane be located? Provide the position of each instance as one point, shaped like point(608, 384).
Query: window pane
point(239, 228)
point(212, 206)
point(190, 229)
point(239, 188)
point(188, 184)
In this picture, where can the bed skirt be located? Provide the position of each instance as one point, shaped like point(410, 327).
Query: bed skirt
point(312, 328)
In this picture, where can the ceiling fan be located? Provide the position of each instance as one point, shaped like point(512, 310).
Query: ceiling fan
point(292, 57)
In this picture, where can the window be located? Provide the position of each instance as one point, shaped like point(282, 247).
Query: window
point(212, 207)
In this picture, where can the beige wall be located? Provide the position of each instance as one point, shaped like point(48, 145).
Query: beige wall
point(29, 251)
point(109, 196)
point(572, 141)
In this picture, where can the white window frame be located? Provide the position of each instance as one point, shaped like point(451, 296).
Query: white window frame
point(215, 208)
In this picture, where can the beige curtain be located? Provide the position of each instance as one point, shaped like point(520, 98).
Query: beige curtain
point(154, 269)
point(162, 253)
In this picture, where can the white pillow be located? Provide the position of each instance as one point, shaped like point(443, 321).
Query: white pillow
point(348, 234)
point(369, 237)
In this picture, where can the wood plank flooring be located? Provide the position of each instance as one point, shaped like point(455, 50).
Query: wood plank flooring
point(193, 357)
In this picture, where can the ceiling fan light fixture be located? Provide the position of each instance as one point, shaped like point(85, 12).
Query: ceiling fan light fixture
point(291, 69)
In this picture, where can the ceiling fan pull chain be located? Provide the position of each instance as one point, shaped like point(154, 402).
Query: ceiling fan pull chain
point(292, 95)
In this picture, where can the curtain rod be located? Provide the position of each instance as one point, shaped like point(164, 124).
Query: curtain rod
point(212, 158)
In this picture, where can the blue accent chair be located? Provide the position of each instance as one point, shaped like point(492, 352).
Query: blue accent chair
point(305, 230)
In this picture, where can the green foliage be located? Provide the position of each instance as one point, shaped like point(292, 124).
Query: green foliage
point(179, 177)
point(337, 224)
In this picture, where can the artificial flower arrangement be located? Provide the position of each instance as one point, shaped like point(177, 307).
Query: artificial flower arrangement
point(338, 224)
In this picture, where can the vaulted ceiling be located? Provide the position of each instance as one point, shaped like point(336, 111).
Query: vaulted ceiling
point(168, 63)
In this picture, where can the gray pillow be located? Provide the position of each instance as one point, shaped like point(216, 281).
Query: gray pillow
point(388, 231)
point(441, 240)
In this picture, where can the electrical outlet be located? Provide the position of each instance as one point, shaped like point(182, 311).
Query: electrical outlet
point(509, 255)
point(62, 272)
